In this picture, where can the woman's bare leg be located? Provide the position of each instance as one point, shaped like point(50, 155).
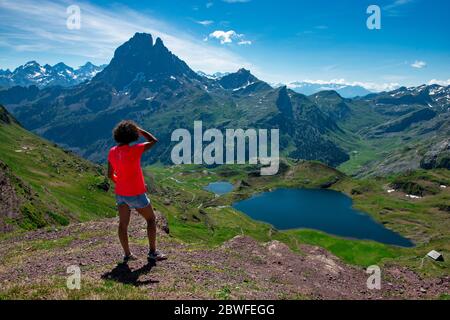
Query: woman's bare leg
point(124, 220)
point(149, 216)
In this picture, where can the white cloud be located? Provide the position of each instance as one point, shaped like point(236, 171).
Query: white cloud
point(224, 36)
point(236, 1)
point(371, 86)
point(394, 9)
point(228, 37)
point(419, 64)
point(397, 3)
point(244, 42)
point(40, 27)
point(205, 22)
point(440, 82)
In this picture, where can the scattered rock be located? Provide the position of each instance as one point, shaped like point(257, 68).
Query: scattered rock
point(276, 248)
point(242, 184)
point(411, 196)
point(329, 183)
point(161, 222)
point(273, 269)
point(437, 157)
point(103, 185)
point(444, 207)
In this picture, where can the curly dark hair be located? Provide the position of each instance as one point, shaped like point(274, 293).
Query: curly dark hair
point(125, 132)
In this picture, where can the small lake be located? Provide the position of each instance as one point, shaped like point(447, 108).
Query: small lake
point(325, 210)
point(220, 187)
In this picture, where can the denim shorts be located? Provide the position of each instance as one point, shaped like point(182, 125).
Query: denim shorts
point(134, 202)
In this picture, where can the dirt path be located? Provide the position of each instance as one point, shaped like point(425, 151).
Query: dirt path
point(240, 268)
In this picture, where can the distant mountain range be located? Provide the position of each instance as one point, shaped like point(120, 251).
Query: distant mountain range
point(32, 73)
point(214, 76)
point(377, 133)
point(344, 90)
point(307, 87)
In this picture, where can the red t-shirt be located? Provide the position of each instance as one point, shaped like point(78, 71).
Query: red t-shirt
point(126, 164)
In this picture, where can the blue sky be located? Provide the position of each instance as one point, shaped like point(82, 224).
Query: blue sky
point(280, 41)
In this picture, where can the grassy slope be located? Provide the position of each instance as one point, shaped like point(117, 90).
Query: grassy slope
point(64, 185)
point(424, 220)
point(376, 155)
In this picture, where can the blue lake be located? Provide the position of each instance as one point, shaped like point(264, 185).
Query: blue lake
point(219, 188)
point(324, 210)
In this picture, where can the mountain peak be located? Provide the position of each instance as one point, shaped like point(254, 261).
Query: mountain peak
point(284, 103)
point(139, 43)
point(215, 76)
point(31, 63)
point(159, 42)
point(328, 94)
point(5, 72)
point(61, 66)
point(88, 64)
point(243, 70)
point(140, 58)
point(239, 79)
point(141, 37)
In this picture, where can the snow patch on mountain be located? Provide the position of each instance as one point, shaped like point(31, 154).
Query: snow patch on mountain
point(32, 73)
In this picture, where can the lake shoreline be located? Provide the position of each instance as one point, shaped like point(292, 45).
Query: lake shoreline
point(336, 219)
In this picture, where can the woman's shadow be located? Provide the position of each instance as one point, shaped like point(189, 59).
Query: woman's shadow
point(123, 274)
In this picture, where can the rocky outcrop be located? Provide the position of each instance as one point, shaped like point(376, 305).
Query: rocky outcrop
point(161, 222)
point(437, 157)
point(5, 116)
point(284, 103)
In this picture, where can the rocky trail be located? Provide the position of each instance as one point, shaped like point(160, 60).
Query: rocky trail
point(241, 268)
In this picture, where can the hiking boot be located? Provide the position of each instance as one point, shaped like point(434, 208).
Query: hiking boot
point(130, 257)
point(156, 256)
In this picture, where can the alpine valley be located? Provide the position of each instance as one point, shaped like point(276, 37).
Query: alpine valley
point(387, 154)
